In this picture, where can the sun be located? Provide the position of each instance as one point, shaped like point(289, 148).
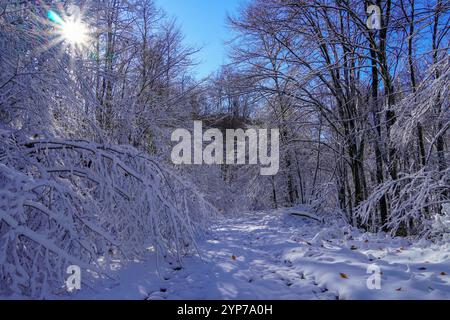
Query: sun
point(71, 30)
point(75, 32)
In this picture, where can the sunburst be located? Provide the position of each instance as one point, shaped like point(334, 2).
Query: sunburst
point(70, 30)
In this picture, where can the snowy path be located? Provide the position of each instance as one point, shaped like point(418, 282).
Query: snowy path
point(277, 256)
point(243, 260)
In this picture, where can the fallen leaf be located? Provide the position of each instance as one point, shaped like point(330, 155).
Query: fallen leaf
point(443, 273)
point(233, 257)
point(343, 275)
point(366, 241)
point(398, 289)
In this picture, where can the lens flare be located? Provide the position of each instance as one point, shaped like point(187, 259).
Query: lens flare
point(53, 16)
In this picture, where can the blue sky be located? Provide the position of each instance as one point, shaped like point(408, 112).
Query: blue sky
point(203, 23)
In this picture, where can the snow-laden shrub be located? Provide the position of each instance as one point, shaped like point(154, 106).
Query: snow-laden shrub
point(440, 227)
point(414, 201)
point(67, 202)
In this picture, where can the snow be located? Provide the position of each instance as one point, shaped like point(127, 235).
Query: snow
point(275, 255)
point(87, 181)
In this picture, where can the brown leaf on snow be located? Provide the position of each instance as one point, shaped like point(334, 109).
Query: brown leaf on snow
point(233, 257)
point(343, 275)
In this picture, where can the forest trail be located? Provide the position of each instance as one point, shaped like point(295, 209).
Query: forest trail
point(243, 259)
point(278, 256)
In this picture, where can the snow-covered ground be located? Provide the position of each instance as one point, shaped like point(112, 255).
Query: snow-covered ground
point(274, 255)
